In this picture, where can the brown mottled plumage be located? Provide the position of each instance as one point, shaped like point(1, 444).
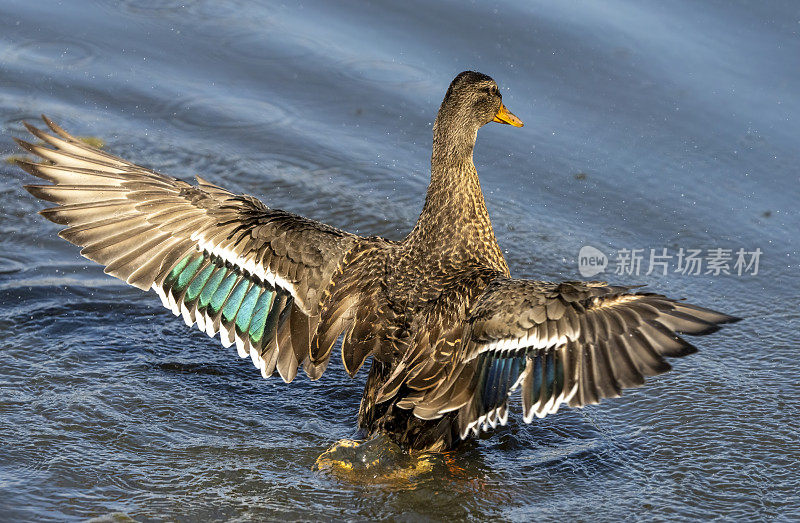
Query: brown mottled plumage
point(450, 333)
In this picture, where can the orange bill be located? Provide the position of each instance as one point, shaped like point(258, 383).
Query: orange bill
point(507, 117)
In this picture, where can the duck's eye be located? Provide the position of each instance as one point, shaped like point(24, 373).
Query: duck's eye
point(495, 91)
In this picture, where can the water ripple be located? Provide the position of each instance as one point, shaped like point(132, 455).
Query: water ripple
point(62, 53)
point(385, 72)
point(196, 114)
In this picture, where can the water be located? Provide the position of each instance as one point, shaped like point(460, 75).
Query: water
point(648, 125)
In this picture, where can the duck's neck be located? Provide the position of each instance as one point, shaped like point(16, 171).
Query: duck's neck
point(454, 196)
point(454, 217)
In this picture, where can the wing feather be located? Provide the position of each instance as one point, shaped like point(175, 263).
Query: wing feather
point(577, 343)
point(259, 277)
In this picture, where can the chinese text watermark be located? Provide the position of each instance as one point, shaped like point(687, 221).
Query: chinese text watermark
point(692, 262)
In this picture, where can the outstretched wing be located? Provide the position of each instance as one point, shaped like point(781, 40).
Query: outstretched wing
point(260, 277)
point(571, 342)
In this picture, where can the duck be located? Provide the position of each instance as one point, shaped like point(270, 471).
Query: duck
point(449, 334)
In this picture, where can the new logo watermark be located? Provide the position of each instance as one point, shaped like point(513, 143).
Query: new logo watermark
point(692, 262)
point(591, 261)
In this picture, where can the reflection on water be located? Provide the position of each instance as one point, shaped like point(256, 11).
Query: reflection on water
point(647, 125)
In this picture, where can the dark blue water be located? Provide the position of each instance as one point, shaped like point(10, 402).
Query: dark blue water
point(648, 125)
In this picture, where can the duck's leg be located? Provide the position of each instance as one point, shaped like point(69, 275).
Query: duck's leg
point(377, 450)
point(355, 456)
point(389, 431)
point(376, 460)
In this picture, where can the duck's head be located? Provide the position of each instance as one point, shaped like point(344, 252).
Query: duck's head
point(472, 101)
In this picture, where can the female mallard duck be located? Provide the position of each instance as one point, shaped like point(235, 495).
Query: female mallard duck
point(450, 333)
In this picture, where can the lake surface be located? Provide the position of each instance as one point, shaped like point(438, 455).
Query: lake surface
point(649, 125)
